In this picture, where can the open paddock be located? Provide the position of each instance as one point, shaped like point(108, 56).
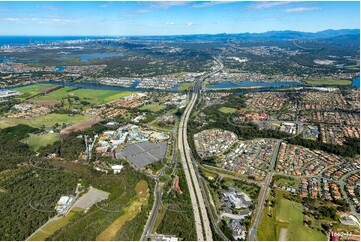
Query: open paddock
point(94, 96)
point(32, 90)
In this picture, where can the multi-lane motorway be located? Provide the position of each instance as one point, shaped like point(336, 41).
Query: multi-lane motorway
point(202, 221)
point(203, 228)
point(197, 193)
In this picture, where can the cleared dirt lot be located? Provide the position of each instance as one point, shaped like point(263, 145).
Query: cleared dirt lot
point(80, 126)
point(46, 103)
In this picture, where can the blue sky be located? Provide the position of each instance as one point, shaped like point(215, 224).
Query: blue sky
point(171, 18)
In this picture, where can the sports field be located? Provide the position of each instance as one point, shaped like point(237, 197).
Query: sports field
point(91, 95)
point(328, 82)
point(37, 141)
point(288, 215)
point(28, 91)
point(227, 110)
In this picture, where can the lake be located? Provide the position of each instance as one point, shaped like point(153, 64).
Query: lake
point(133, 87)
point(246, 83)
point(356, 82)
point(59, 69)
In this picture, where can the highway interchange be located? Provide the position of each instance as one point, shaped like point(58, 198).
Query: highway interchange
point(197, 187)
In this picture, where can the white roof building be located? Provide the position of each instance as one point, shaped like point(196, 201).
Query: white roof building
point(117, 168)
point(63, 200)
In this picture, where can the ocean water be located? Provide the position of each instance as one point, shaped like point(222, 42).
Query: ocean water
point(27, 40)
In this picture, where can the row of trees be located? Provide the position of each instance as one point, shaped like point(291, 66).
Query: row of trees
point(350, 148)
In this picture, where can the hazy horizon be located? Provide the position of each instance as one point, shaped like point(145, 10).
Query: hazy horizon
point(286, 30)
point(173, 18)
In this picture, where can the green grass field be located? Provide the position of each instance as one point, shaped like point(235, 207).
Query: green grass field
point(165, 128)
point(208, 174)
point(130, 212)
point(37, 141)
point(54, 226)
point(57, 94)
point(266, 227)
point(8, 122)
point(90, 95)
point(288, 182)
point(152, 107)
point(287, 214)
point(48, 120)
point(28, 91)
point(328, 82)
point(227, 110)
point(185, 86)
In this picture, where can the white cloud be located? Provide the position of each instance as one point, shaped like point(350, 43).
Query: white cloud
point(294, 10)
point(10, 19)
point(170, 23)
point(209, 4)
point(44, 20)
point(265, 5)
point(168, 4)
point(142, 10)
point(49, 8)
point(151, 6)
point(105, 5)
point(190, 24)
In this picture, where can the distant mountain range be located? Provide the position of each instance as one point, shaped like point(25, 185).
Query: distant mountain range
point(271, 35)
point(347, 34)
point(288, 34)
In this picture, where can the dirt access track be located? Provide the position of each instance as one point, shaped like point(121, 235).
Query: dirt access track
point(80, 126)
